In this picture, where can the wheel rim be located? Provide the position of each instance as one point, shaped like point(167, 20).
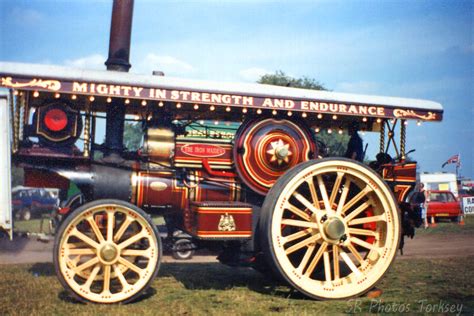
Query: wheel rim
point(334, 229)
point(108, 253)
point(183, 249)
point(26, 214)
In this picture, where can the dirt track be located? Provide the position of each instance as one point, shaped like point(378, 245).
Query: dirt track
point(29, 250)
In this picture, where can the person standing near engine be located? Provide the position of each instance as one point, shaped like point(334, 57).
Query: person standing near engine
point(354, 146)
point(422, 199)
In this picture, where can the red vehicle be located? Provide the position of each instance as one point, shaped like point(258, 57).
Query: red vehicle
point(443, 204)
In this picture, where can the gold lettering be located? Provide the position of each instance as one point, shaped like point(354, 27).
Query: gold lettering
point(79, 87)
point(289, 104)
point(92, 87)
point(372, 110)
point(237, 99)
point(226, 99)
point(174, 95)
point(216, 98)
point(137, 91)
point(267, 103)
point(279, 103)
point(362, 109)
point(185, 95)
point(314, 106)
point(342, 108)
point(323, 106)
point(352, 109)
point(114, 90)
point(247, 101)
point(160, 94)
point(332, 107)
point(195, 96)
point(380, 111)
point(304, 105)
point(102, 89)
point(126, 90)
point(206, 97)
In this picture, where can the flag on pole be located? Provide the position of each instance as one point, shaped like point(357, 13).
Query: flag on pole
point(454, 159)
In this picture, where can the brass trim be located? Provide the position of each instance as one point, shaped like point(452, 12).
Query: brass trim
point(158, 186)
point(12, 120)
point(87, 124)
point(134, 181)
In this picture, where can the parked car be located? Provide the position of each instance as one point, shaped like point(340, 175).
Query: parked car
point(28, 203)
point(443, 204)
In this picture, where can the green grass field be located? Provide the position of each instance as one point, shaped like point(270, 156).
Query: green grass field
point(214, 289)
point(445, 226)
point(413, 285)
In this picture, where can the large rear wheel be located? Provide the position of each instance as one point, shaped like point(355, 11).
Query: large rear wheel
point(107, 251)
point(330, 228)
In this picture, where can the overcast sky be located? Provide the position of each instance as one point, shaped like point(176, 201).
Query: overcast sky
point(419, 49)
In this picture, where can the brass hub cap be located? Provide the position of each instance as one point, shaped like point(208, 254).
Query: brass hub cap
point(334, 228)
point(282, 152)
point(109, 253)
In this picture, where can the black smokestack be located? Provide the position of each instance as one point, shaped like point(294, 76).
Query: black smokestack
point(119, 60)
point(120, 36)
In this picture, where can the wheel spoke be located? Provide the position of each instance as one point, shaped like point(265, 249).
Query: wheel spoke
point(106, 288)
point(95, 228)
point(342, 199)
point(130, 265)
point(313, 208)
point(81, 251)
point(294, 236)
point(350, 264)
point(91, 278)
point(356, 198)
point(297, 223)
point(132, 240)
point(86, 264)
point(128, 220)
point(364, 232)
point(335, 261)
point(136, 253)
point(298, 212)
point(364, 244)
point(335, 188)
point(303, 243)
point(121, 278)
point(85, 238)
point(357, 211)
point(324, 193)
point(365, 220)
point(327, 266)
point(355, 253)
point(312, 189)
point(110, 224)
point(316, 259)
point(307, 255)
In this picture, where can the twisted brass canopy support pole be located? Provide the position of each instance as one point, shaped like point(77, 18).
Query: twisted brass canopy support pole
point(402, 139)
point(87, 128)
point(382, 136)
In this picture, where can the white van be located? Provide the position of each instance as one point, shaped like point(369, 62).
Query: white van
point(440, 181)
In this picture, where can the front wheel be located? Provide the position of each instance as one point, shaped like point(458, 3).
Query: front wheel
point(26, 214)
point(330, 228)
point(183, 249)
point(107, 251)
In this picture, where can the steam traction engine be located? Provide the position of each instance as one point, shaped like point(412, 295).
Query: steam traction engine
point(237, 167)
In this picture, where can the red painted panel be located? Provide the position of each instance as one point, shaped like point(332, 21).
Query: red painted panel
point(44, 179)
point(220, 221)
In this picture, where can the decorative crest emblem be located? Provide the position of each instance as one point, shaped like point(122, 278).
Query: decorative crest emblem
point(226, 223)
